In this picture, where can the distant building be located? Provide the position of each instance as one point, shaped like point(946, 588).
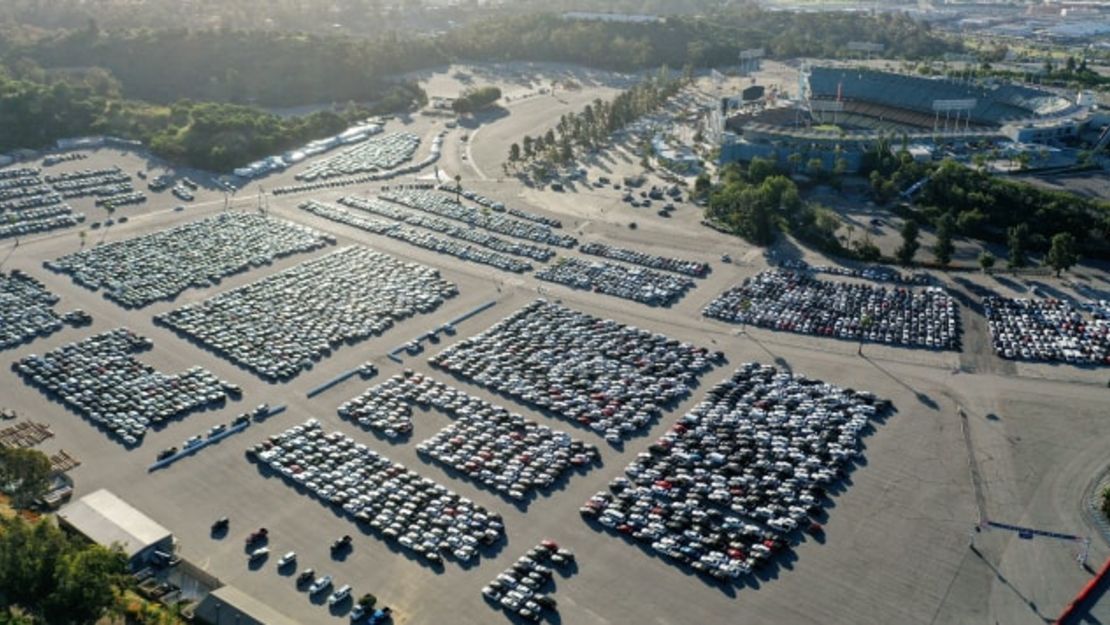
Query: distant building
point(627, 18)
point(108, 520)
point(230, 606)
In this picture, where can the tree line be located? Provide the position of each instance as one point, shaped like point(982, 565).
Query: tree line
point(975, 204)
point(596, 122)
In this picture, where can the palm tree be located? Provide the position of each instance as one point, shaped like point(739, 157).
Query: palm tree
point(458, 187)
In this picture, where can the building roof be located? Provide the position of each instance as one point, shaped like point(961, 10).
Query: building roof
point(106, 519)
point(228, 604)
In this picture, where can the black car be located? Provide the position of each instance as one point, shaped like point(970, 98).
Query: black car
point(167, 452)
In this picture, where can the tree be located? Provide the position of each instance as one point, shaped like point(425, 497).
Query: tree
point(25, 474)
point(702, 185)
point(986, 261)
point(1062, 255)
point(866, 249)
point(1018, 240)
point(458, 187)
point(943, 248)
point(910, 244)
point(514, 153)
point(55, 579)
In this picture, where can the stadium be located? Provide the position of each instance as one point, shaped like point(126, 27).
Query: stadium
point(841, 112)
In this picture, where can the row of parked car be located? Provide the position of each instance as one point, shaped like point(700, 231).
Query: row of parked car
point(381, 153)
point(444, 205)
point(28, 205)
point(499, 207)
point(26, 309)
point(598, 373)
point(499, 449)
point(280, 325)
point(122, 199)
point(418, 514)
point(793, 301)
point(417, 237)
point(726, 487)
point(139, 271)
point(101, 379)
point(693, 268)
point(876, 272)
point(397, 212)
point(101, 183)
point(1048, 329)
point(519, 588)
point(638, 284)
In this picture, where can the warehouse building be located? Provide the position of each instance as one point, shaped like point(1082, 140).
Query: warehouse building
point(104, 518)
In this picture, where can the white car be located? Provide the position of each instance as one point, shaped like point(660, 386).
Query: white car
point(287, 559)
point(261, 552)
point(320, 584)
point(339, 595)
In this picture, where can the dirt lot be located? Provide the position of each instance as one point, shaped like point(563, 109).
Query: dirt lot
point(896, 548)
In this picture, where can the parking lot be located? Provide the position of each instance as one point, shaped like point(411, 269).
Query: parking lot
point(895, 531)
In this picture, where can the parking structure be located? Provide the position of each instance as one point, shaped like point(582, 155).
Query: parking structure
point(792, 301)
point(638, 284)
point(446, 206)
point(278, 326)
point(420, 515)
point(101, 380)
point(1049, 329)
point(29, 205)
point(140, 271)
point(499, 449)
point(396, 212)
point(518, 589)
point(376, 154)
point(416, 237)
point(598, 373)
point(724, 489)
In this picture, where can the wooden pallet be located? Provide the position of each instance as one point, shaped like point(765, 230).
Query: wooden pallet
point(24, 434)
point(62, 462)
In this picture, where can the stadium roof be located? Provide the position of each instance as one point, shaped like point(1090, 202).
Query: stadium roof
point(107, 519)
point(995, 104)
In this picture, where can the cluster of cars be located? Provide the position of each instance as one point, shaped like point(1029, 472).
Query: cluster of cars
point(198, 440)
point(418, 238)
point(1048, 329)
point(418, 514)
point(279, 326)
point(499, 207)
point(26, 309)
point(493, 446)
point(519, 588)
point(601, 374)
point(445, 206)
point(104, 182)
point(380, 208)
point(792, 301)
point(877, 272)
point(638, 284)
point(381, 153)
point(28, 205)
point(140, 271)
point(54, 159)
point(123, 199)
point(724, 489)
point(101, 379)
point(677, 265)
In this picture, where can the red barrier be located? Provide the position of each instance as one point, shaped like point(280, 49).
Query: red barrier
point(1069, 612)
